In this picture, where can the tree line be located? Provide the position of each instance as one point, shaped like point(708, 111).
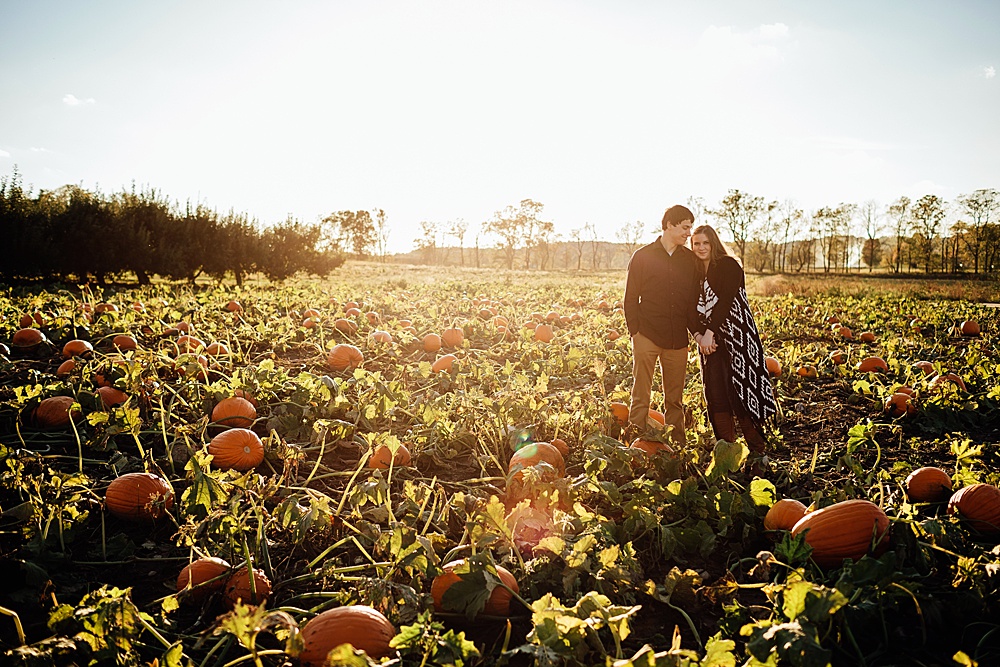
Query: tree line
point(71, 232)
point(928, 235)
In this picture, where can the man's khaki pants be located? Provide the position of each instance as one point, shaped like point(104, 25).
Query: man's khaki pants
point(673, 366)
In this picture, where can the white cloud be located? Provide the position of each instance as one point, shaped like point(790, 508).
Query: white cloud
point(73, 101)
point(4, 153)
point(989, 72)
point(35, 149)
point(773, 31)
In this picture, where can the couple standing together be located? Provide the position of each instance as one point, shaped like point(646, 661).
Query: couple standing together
point(671, 290)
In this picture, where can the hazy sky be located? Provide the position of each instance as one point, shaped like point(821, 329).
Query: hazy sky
point(605, 112)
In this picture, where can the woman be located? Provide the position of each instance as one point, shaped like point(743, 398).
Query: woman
point(733, 372)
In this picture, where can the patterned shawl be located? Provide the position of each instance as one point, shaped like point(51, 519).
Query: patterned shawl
point(750, 379)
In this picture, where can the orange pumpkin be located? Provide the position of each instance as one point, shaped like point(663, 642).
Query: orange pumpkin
point(652, 447)
point(562, 446)
point(899, 404)
point(498, 604)
point(203, 576)
point(866, 337)
point(838, 357)
point(217, 349)
point(444, 363)
point(773, 366)
point(352, 312)
point(234, 411)
point(431, 342)
point(843, 530)
point(534, 453)
point(237, 449)
point(926, 366)
point(77, 348)
point(238, 587)
point(380, 336)
point(453, 337)
point(620, 412)
point(66, 368)
point(784, 514)
point(111, 397)
point(928, 485)
point(979, 505)
point(941, 381)
point(344, 357)
point(103, 308)
point(187, 344)
point(382, 457)
point(54, 412)
point(345, 326)
point(873, 365)
point(845, 332)
point(139, 496)
point(364, 628)
point(544, 333)
point(807, 371)
point(969, 328)
point(125, 342)
point(310, 312)
point(27, 339)
point(234, 307)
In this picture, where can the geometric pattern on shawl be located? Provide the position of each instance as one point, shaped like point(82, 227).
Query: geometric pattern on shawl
point(750, 379)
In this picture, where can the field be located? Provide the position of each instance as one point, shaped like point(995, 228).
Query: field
point(370, 475)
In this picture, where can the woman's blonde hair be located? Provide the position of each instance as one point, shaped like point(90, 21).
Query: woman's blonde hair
point(719, 249)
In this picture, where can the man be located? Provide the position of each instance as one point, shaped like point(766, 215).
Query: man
point(661, 297)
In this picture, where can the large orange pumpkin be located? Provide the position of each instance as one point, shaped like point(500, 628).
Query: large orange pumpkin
point(784, 514)
point(534, 453)
point(125, 342)
point(203, 576)
point(234, 412)
point(928, 485)
point(364, 628)
point(344, 357)
point(843, 530)
point(873, 365)
point(443, 363)
point(380, 336)
point(238, 587)
point(652, 447)
point(773, 366)
point(899, 404)
point(544, 333)
point(498, 603)
point(238, 449)
point(66, 368)
point(139, 496)
point(27, 340)
point(111, 397)
point(77, 348)
point(187, 344)
point(431, 342)
point(979, 505)
point(382, 457)
point(969, 328)
point(345, 325)
point(452, 337)
point(54, 412)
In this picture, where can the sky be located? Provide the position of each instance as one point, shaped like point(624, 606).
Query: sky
point(606, 112)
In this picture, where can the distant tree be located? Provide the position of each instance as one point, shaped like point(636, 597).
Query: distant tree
point(457, 229)
point(381, 233)
point(577, 243)
point(355, 230)
point(926, 216)
point(697, 206)
point(899, 221)
point(870, 215)
point(593, 238)
point(427, 243)
point(764, 235)
point(515, 228)
point(631, 235)
point(738, 212)
point(790, 223)
point(531, 226)
point(545, 236)
point(981, 207)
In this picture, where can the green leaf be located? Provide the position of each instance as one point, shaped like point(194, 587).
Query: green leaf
point(719, 652)
point(762, 492)
point(727, 457)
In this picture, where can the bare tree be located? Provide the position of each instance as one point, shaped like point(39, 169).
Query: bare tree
point(381, 233)
point(926, 216)
point(427, 241)
point(506, 226)
point(790, 225)
point(577, 243)
point(872, 225)
point(981, 207)
point(591, 233)
point(738, 212)
point(696, 206)
point(899, 221)
point(457, 229)
point(630, 235)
